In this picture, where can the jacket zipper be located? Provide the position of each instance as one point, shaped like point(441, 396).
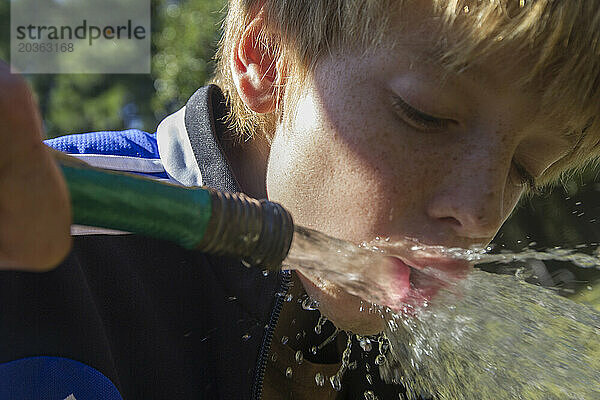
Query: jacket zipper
point(261, 366)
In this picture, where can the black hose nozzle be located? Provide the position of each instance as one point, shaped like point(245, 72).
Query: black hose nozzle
point(258, 231)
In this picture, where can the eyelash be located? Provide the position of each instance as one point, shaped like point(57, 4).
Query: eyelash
point(526, 178)
point(422, 121)
point(416, 118)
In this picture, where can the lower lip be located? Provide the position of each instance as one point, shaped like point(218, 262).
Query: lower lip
point(399, 279)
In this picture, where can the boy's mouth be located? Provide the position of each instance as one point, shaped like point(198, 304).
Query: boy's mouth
point(417, 281)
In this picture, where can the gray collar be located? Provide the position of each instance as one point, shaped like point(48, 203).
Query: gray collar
point(189, 142)
point(176, 152)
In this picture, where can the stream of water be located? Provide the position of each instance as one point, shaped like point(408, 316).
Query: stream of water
point(483, 336)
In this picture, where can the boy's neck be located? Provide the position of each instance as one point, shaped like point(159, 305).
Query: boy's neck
point(248, 161)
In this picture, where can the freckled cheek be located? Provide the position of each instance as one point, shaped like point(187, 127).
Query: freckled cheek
point(394, 194)
point(335, 190)
point(380, 194)
point(381, 188)
point(344, 174)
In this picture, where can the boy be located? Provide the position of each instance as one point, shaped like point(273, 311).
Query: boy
point(426, 120)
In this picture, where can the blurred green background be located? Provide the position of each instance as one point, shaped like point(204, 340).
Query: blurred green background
point(184, 37)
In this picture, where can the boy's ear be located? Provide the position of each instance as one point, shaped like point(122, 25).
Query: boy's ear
point(254, 69)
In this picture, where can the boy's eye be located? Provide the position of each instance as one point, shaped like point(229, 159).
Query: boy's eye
point(525, 177)
point(418, 119)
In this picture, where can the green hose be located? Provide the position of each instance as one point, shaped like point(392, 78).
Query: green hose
point(231, 224)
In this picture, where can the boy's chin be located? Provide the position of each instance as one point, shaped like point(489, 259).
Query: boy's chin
point(342, 308)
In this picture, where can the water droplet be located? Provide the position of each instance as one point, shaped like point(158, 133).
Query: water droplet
point(322, 320)
point(367, 367)
point(299, 357)
point(380, 359)
point(369, 395)
point(365, 344)
point(246, 337)
point(313, 350)
point(265, 272)
point(298, 336)
point(336, 382)
point(274, 357)
point(384, 344)
point(289, 297)
point(369, 378)
point(246, 264)
point(288, 372)
point(352, 366)
point(319, 379)
point(466, 9)
point(284, 339)
point(232, 298)
point(310, 304)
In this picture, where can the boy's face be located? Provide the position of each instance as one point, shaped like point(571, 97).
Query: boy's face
point(383, 146)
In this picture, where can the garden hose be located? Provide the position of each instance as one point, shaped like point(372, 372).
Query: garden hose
point(230, 224)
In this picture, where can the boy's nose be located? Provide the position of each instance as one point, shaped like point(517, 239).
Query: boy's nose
point(470, 220)
point(470, 206)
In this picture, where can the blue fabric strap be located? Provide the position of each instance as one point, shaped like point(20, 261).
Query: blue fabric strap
point(132, 143)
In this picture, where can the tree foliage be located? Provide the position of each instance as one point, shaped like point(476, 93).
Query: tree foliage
point(185, 47)
point(184, 37)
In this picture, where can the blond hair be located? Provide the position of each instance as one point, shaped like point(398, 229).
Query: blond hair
point(562, 37)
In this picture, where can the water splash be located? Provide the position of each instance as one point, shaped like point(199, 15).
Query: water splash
point(322, 320)
point(487, 336)
point(361, 270)
point(369, 395)
point(336, 380)
point(501, 338)
point(365, 344)
point(319, 379)
point(299, 356)
point(310, 304)
point(330, 339)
